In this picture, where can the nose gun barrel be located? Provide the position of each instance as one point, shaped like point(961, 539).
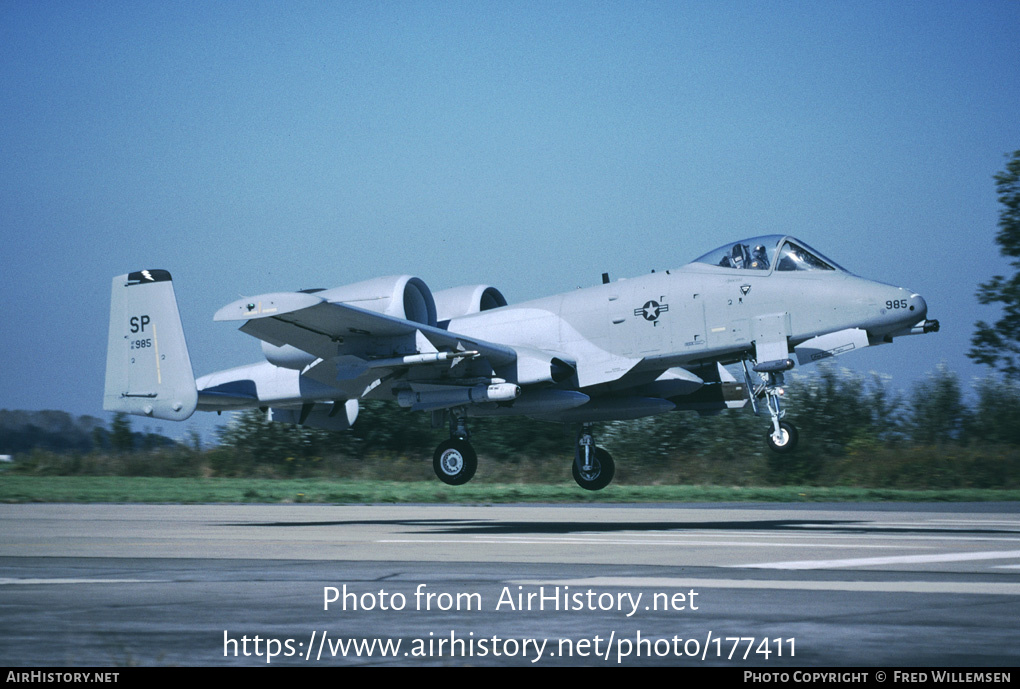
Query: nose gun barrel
point(926, 326)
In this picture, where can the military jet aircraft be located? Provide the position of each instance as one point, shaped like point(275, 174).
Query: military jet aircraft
point(618, 350)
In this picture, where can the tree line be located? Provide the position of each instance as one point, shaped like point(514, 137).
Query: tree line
point(850, 424)
point(855, 430)
point(57, 431)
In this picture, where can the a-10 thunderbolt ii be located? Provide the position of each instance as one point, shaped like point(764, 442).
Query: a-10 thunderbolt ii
point(618, 350)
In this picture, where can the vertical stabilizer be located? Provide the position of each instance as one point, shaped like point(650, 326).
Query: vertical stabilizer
point(148, 370)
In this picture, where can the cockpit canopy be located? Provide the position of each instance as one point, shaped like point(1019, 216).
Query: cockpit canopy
point(774, 251)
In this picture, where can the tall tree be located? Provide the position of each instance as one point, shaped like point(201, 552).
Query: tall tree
point(120, 433)
point(998, 345)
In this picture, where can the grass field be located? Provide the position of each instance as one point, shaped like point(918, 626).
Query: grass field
point(128, 489)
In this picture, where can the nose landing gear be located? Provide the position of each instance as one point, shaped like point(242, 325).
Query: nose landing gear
point(785, 440)
point(782, 437)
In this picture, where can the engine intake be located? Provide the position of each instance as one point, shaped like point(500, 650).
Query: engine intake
point(402, 296)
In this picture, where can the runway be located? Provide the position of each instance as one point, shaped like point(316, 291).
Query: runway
point(684, 585)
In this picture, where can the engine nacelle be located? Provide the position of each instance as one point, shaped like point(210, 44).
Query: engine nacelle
point(466, 300)
point(401, 296)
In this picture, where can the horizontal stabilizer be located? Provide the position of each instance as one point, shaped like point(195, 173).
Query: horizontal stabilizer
point(234, 394)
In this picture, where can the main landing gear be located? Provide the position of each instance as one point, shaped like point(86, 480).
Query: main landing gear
point(593, 467)
point(782, 435)
point(455, 461)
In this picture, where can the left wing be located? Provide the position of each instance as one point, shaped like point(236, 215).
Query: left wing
point(357, 350)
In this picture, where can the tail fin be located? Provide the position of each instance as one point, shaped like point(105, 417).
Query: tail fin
point(148, 370)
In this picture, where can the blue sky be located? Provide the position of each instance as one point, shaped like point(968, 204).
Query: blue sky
point(250, 147)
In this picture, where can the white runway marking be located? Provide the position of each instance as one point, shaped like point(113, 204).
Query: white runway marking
point(8, 581)
point(976, 523)
point(898, 560)
point(672, 583)
point(506, 540)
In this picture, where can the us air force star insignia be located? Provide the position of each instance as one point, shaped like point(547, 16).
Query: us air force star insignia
point(651, 310)
point(744, 289)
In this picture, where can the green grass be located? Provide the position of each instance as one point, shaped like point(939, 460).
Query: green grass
point(85, 489)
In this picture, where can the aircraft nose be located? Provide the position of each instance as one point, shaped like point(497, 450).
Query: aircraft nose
point(900, 309)
point(909, 310)
point(918, 306)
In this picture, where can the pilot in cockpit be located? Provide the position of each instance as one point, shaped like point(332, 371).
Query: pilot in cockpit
point(759, 258)
point(741, 257)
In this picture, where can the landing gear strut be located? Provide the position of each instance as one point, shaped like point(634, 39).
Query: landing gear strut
point(455, 461)
point(782, 435)
point(593, 467)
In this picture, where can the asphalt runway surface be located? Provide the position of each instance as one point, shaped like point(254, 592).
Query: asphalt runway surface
point(762, 586)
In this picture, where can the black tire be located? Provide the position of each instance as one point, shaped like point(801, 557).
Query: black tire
point(455, 462)
point(788, 442)
point(601, 475)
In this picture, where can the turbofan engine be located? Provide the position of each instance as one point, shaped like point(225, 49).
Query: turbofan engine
point(466, 300)
point(401, 296)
